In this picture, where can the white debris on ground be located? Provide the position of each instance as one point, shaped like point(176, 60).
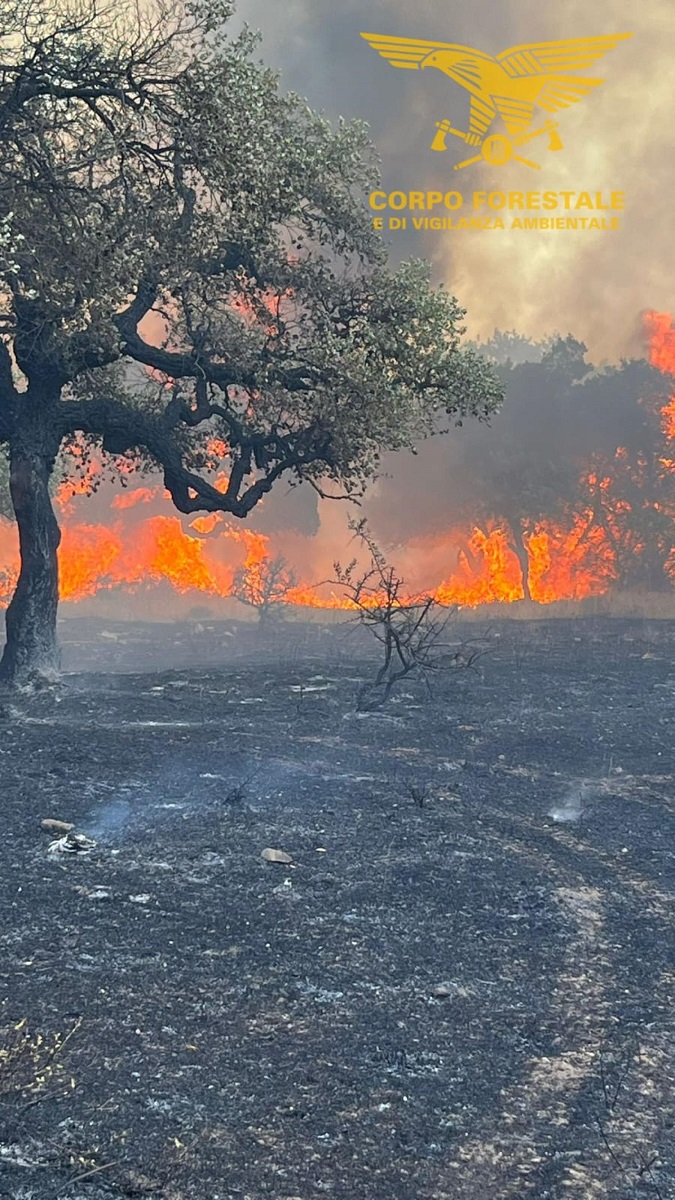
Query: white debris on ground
point(71, 843)
point(18, 1156)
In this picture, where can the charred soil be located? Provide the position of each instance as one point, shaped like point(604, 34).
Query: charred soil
point(460, 985)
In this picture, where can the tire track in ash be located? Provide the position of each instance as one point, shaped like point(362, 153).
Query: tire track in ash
point(507, 1163)
point(510, 1162)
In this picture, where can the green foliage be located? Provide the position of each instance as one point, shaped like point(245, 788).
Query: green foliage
point(566, 355)
point(175, 212)
point(510, 347)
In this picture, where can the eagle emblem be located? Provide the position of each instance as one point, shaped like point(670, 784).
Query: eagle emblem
point(512, 86)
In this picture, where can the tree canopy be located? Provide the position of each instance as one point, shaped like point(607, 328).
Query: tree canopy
point(167, 206)
point(188, 272)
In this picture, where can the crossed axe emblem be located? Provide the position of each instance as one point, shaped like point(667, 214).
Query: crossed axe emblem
point(498, 149)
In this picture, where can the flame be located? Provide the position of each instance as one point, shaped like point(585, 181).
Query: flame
point(481, 563)
point(218, 448)
point(87, 555)
point(83, 478)
point(130, 499)
point(175, 556)
point(563, 565)
point(661, 334)
point(659, 328)
point(668, 414)
point(487, 570)
point(206, 524)
point(571, 564)
point(257, 553)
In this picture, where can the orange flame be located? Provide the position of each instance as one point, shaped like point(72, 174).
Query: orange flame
point(483, 565)
point(136, 496)
point(659, 327)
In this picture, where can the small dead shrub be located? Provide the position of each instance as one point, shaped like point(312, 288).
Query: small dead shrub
point(410, 629)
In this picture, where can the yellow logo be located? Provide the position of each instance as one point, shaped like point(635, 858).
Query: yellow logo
point(512, 86)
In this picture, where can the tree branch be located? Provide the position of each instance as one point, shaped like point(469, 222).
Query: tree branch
point(122, 429)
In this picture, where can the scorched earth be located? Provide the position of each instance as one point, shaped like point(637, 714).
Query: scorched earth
point(454, 982)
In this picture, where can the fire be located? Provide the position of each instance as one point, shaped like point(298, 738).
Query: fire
point(572, 558)
point(564, 565)
point(87, 556)
point(668, 414)
point(206, 524)
point(487, 571)
point(569, 565)
point(257, 553)
point(83, 478)
point(180, 559)
point(661, 333)
point(135, 496)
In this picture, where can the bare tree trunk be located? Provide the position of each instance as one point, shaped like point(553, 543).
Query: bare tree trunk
point(32, 652)
point(520, 551)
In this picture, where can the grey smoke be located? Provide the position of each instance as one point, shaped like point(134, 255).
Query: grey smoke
point(573, 805)
point(594, 284)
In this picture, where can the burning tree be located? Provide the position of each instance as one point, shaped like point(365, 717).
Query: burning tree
point(186, 257)
point(569, 493)
point(266, 586)
point(522, 479)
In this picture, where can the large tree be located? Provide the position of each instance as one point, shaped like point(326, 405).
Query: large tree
point(187, 263)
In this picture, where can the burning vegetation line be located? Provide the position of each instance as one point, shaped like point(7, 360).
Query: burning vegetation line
point(171, 281)
point(570, 494)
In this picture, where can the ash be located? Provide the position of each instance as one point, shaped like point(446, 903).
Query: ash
point(454, 981)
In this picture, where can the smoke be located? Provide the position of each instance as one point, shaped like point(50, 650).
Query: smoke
point(594, 284)
point(574, 803)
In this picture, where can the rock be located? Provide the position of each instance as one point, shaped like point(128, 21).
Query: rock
point(276, 856)
point(54, 826)
point(449, 989)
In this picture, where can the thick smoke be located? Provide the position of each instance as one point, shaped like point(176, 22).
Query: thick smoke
point(594, 284)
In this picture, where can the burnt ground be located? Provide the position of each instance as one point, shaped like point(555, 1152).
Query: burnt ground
point(460, 987)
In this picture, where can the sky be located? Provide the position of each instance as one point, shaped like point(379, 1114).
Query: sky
point(594, 284)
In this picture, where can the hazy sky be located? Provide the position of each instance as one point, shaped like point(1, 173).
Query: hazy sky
point(592, 283)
